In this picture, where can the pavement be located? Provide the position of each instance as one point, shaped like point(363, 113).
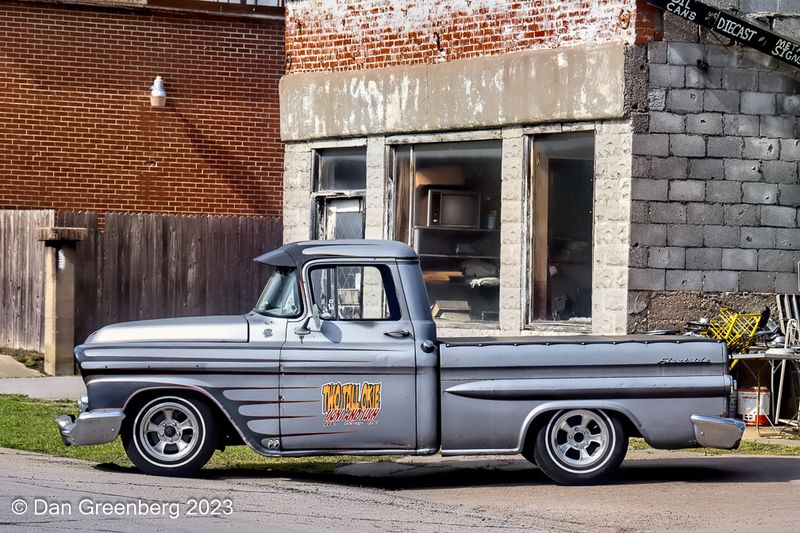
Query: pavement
point(11, 368)
point(45, 388)
point(655, 491)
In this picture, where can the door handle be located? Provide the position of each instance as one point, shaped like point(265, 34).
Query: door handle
point(398, 334)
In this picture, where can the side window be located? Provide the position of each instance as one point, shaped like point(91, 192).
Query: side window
point(345, 292)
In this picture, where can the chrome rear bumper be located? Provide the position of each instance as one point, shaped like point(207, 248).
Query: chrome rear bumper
point(713, 432)
point(91, 427)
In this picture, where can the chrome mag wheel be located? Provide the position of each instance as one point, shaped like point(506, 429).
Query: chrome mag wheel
point(169, 431)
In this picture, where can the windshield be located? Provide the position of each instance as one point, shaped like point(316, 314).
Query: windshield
point(281, 295)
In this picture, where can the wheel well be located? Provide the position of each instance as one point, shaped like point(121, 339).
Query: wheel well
point(140, 398)
point(541, 420)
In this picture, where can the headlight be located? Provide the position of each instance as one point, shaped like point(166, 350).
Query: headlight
point(83, 403)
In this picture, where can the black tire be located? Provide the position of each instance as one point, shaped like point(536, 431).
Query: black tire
point(170, 436)
point(580, 447)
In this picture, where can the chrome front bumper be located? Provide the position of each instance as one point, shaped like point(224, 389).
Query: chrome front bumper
point(91, 427)
point(713, 432)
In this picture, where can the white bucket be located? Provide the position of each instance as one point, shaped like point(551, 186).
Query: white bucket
point(753, 405)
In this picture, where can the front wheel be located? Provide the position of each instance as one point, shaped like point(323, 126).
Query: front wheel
point(580, 447)
point(170, 436)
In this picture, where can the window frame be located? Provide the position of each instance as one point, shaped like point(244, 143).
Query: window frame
point(530, 216)
point(393, 302)
point(320, 198)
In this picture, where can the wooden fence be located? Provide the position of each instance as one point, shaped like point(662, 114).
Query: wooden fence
point(144, 266)
point(22, 278)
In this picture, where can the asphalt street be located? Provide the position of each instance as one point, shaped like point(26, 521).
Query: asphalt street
point(656, 491)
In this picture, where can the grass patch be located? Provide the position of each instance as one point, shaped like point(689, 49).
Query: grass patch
point(747, 447)
point(29, 358)
point(27, 424)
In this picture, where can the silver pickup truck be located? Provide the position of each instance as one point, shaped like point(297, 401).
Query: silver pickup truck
point(340, 356)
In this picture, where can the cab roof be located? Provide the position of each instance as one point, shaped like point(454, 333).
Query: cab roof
point(297, 253)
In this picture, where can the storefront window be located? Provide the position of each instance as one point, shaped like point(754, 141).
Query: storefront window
point(562, 200)
point(448, 209)
point(340, 182)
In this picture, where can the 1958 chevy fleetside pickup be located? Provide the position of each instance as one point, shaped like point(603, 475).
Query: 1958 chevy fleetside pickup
point(340, 356)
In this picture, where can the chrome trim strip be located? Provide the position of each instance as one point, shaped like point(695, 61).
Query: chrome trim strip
point(487, 451)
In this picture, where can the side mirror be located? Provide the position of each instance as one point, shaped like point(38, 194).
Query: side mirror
point(317, 316)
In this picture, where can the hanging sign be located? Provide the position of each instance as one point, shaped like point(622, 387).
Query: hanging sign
point(736, 28)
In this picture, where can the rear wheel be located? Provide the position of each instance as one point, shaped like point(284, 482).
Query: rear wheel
point(171, 436)
point(580, 446)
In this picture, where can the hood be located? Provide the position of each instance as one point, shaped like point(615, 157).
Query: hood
point(189, 329)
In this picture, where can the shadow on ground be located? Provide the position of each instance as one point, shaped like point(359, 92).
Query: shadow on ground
point(512, 472)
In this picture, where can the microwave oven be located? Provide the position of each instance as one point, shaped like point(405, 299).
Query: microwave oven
point(449, 208)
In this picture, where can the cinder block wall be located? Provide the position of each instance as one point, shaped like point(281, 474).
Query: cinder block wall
point(715, 189)
point(366, 34)
point(77, 130)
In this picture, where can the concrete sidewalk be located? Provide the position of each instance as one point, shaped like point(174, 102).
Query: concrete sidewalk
point(11, 368)
point(45, 388)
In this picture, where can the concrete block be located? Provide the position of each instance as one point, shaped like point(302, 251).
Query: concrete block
point(730, 147)
point(666, 123)
point(640, 166)
point(687, 145)
point(760, 148)
point(666, 257)
point(742, 170)
point(779, 216)
point(753, 103)
point(789, 194)
point(685, 100)
point(657, 52)
point(756, 282)
point(724, 101)
point(637, 257)
point(666, 76)
point(640, 212)
point(741, 215)
point(669, 168)
point(706, 169)
point(739, 80)
point(744, 125)
point(758, 238)
point(788, 104)
point(648, 234)
point(788, 239)
point(779, 171)
point(776, 126)
point(646, 279)
point(729, 192)
point(685, 53)
point(703, 258)
point(790, 149)
point(704, 123)
point(720, 281)
point(721, 56)
point(667, 213)
point(710, 78)
point(739, 259)
point(684, 280)
point(687, 190)
point(786, 283)
point(651, 144)
point(656, 99)
point(645, 189)
point(683, 235)
point(702, 213)
point(776, 260)
point(759, 193)
point(755, 59)
point(720, 236)
point(776, 82)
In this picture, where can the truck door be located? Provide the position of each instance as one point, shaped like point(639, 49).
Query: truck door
point(347, 378)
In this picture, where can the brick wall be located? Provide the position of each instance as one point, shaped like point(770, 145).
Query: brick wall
point(77, 130)
point(715, 190)
point(361, 34)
